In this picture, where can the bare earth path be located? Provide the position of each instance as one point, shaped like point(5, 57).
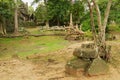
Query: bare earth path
point(50, 66)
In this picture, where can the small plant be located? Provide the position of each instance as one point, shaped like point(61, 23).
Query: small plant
point(88, 34)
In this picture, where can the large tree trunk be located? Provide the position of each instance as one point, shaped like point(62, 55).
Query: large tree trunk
point(16, 18)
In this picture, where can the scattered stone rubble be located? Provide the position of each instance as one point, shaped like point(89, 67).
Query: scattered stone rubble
point(86, 62)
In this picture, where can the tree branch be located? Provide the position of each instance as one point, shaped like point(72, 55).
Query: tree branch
point(98, 13)
point(107, 14)
point(92, 19)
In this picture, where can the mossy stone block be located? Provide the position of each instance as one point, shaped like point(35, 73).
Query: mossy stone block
point(98, 67)
point(76, 67)
point(85, 53)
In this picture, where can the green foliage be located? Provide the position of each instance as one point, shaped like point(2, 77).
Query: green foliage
point(115, 9)
point(88, 34)
point(86, 25)
point(114, 27)
point(41, 13)
point(78, 12)
point(30, 10)
point(114, 12)
point(7, 13)
point(5, 9)
point(59, 10)
point(27, 24)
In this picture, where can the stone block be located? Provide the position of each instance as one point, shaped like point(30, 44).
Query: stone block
point(98, 67)
point(88, 45)
point(85, 53)
point(76, 67)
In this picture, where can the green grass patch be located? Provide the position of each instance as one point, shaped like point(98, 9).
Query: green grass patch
point(33, 45)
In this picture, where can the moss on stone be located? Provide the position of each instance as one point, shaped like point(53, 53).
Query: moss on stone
point(76, 67)
point(78, 63)
point(98, 67)
point(85, 53)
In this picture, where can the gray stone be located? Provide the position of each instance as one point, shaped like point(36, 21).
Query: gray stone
point(85, 53)
point(98, 67)
point(76, 67)
point(88, 45)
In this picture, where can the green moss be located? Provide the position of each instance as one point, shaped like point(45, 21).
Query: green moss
point(88, 34)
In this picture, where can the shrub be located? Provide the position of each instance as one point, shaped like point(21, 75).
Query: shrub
point(113, 27)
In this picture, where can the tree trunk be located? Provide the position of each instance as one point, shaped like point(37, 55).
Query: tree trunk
point(58, 22)
point(4, 26)
point(76, 26)
point(47, 24)
point(93, 26)
point(47, 21)
point(1, 29)
point(45, 1)
point(101, 32)
point(106, 19)
point(92, 22)
point(100, 44)
point(16, 18)
point(71, 19)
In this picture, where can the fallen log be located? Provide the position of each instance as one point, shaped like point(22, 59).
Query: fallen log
point(34, 35)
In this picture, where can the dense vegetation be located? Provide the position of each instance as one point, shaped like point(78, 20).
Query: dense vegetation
point(54, 13)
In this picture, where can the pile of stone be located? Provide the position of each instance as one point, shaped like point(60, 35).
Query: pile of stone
point(86, 62)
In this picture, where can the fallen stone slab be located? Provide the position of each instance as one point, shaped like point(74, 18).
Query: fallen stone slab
point(98, 67)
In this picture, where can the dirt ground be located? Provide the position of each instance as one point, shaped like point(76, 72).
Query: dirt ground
point(49, 66)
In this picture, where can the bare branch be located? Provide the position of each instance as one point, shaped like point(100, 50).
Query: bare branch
point(98, 13)
point(107, 14)
point(92, 19)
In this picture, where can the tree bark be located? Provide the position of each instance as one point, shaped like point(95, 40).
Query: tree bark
point(16, 18)
point(71, 19)
point(92, 21)
point(47, 21)
point(1, 29)
point(101, 31)
point(4, 26)
point(93, 25)
point(47, 24)
point(98, 14)
point(45, 1)
point(58, 22)
point(106, 18)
